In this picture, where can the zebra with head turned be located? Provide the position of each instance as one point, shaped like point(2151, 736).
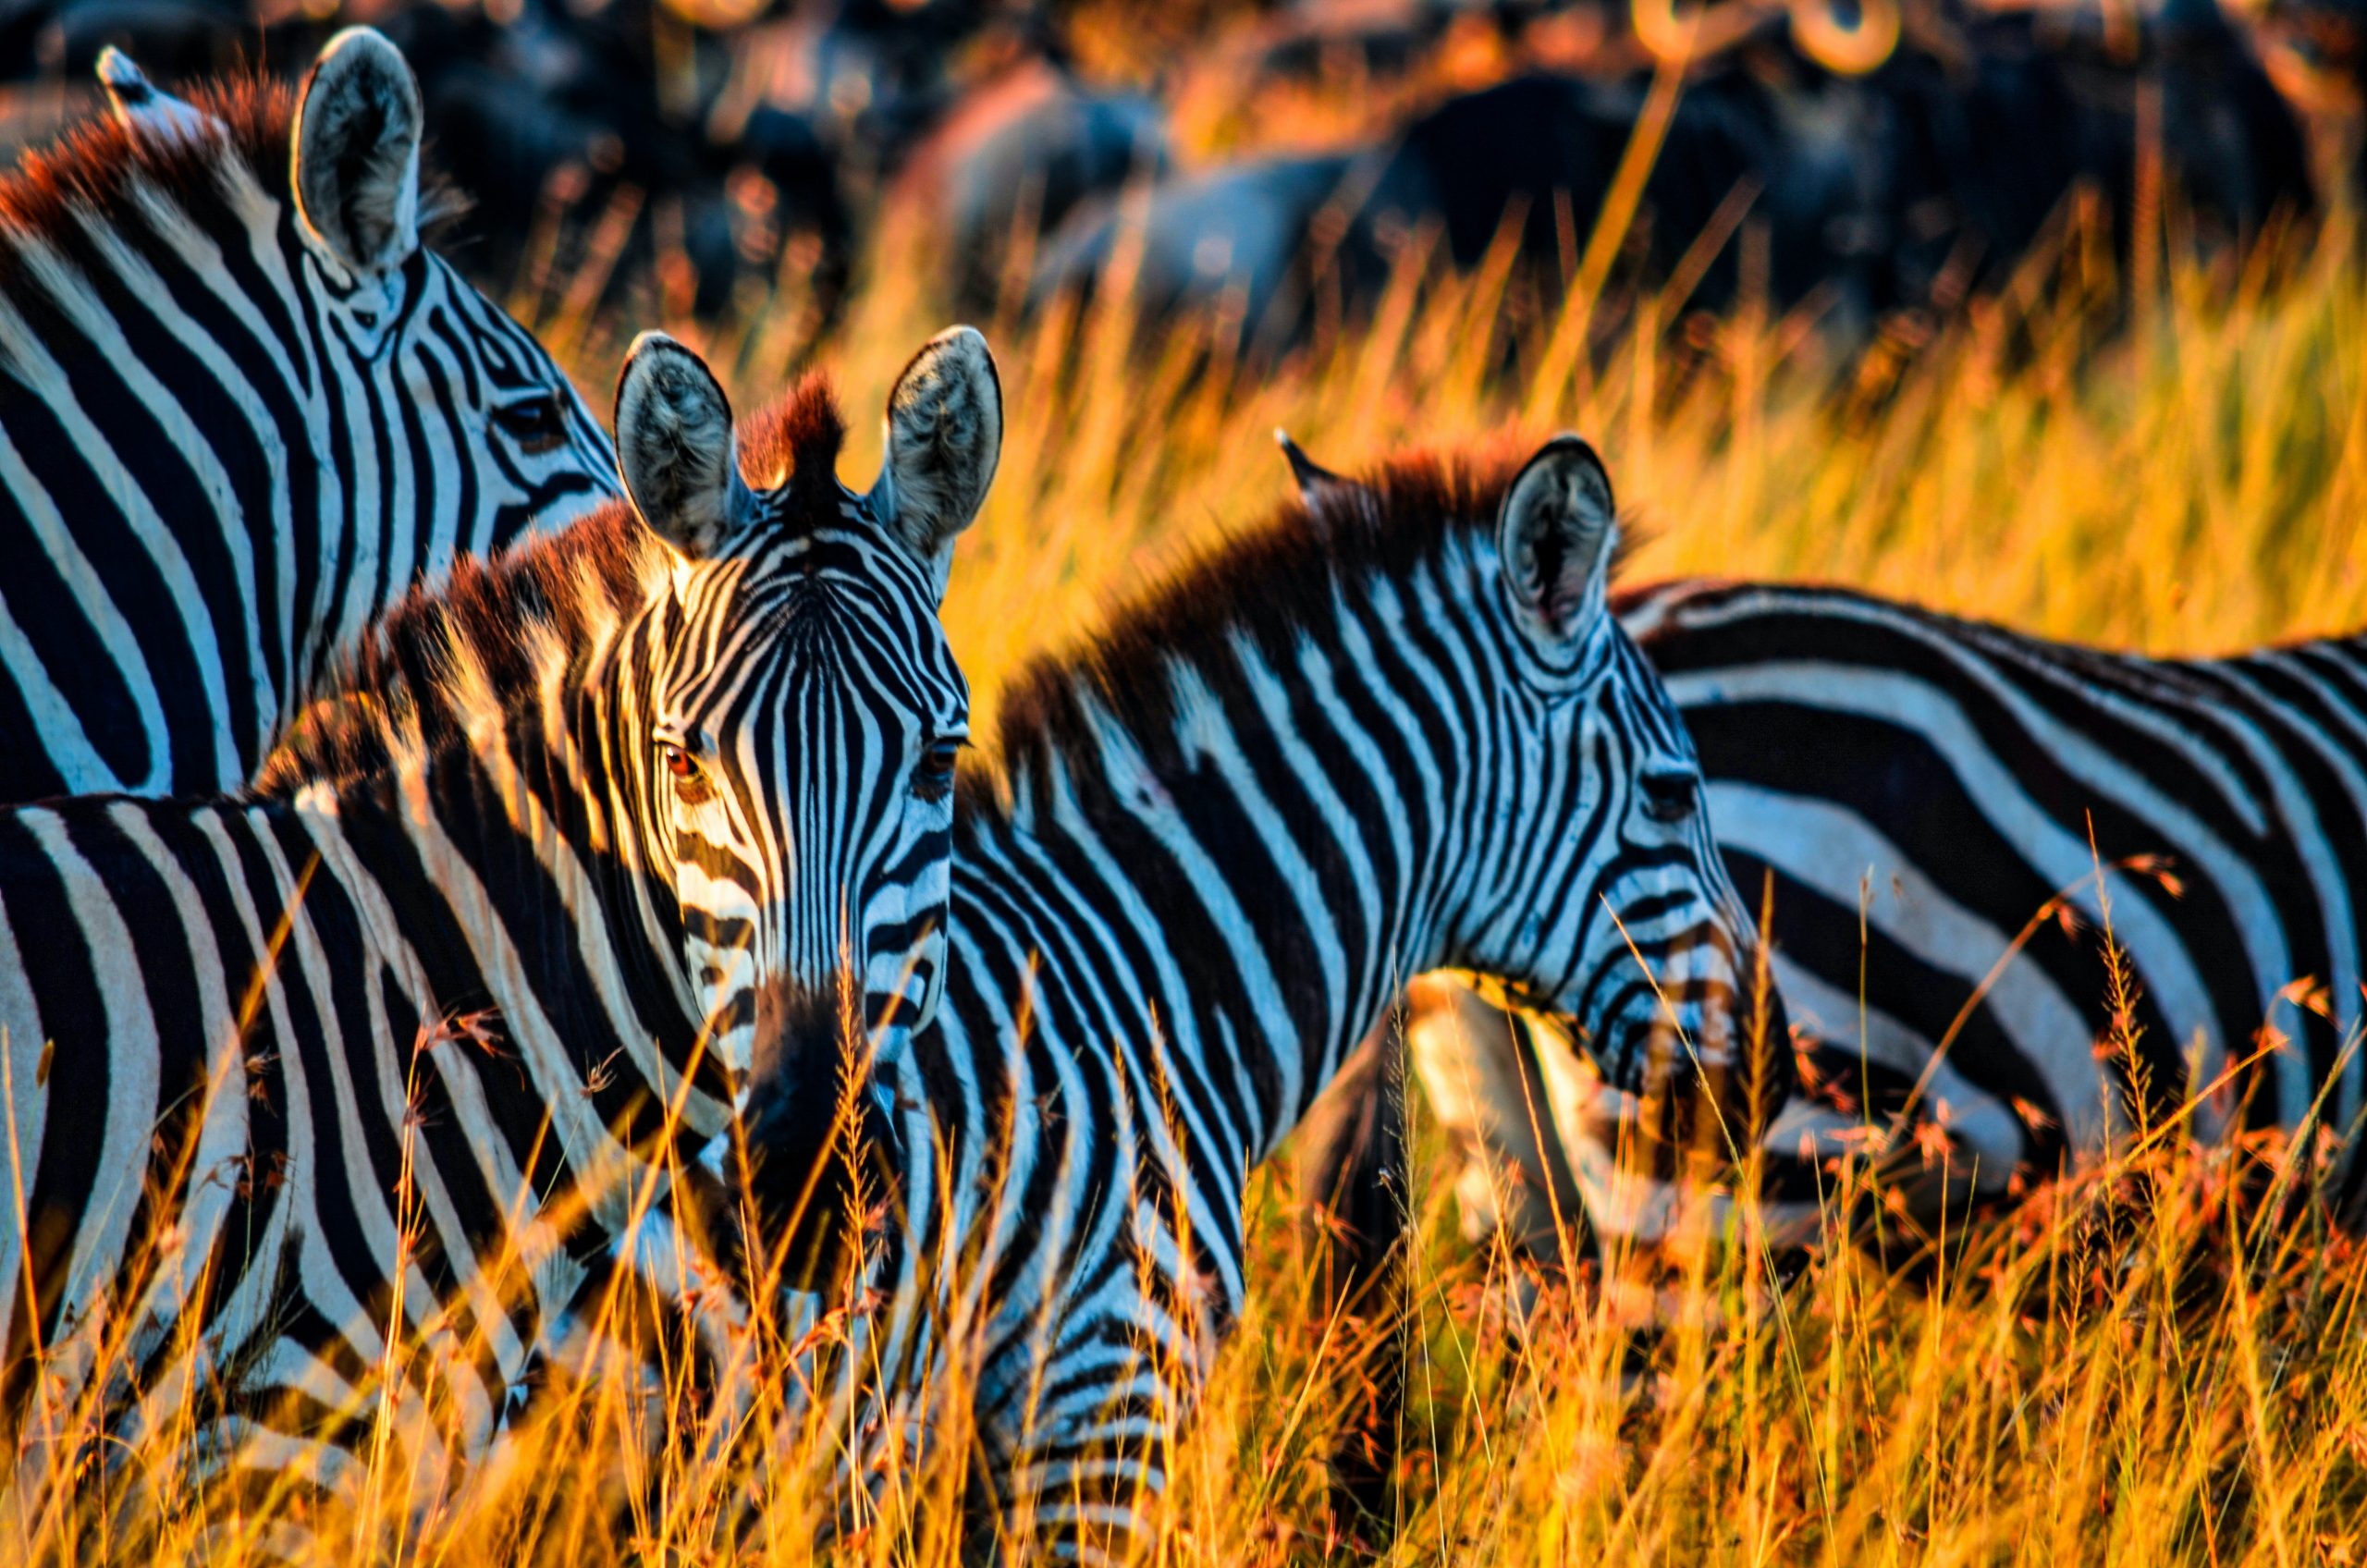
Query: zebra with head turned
point(1943, 811)
point(242, 411)
point(1394, 729)
point(402, 1053)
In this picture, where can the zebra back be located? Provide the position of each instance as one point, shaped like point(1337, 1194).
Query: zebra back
point(243, 408)
point(1995, 804)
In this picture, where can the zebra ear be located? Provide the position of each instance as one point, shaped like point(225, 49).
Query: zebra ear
point(358, 125)
point(144, 110)
point(1555, 537)
point(944, 439)
point(1312, 477)
point(675, 449)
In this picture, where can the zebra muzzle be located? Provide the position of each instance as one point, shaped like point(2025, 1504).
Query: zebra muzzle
point(814, 1121)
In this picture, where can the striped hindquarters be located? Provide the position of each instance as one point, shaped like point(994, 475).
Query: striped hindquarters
point(1968, 789)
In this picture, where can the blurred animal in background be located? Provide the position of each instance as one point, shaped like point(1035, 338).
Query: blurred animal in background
point(1013, 159)
point(1858, 160)
point(1900, 188)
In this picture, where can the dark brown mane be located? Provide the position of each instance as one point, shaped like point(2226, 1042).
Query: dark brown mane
point(795, 439)
point(1269, 583)
point(94, 166)
point(498, 620)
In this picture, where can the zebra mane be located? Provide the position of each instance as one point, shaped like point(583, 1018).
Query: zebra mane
point(100, 166)
point(476, 646)
point(1270, 584)
point(491, 638)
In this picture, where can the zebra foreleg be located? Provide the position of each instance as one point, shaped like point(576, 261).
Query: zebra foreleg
point(1353, 1181)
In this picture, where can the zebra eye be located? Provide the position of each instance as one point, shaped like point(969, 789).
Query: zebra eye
point(538, 423)
point(933, 780)
point(1672, 797)
point(692, 787)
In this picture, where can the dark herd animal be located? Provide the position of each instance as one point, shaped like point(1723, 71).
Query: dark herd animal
point(716, 152)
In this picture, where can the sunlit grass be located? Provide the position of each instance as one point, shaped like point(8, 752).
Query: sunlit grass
point(2182, 1380)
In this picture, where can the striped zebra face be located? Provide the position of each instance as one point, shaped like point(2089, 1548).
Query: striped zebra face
point(1610, 905)
point(509, 446)
point(803, 709)
point(474, 435)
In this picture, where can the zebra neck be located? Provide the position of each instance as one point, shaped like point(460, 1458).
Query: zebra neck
point(1267, 862)
point(500, 869)
point(220, 502)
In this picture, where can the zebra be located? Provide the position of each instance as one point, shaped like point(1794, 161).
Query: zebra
point(1395, 729)
point(409, 1044)
point(1950, 816)
point(243, 408)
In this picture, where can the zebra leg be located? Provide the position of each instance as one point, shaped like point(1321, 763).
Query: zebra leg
point(1484, 1075)
point(1480, 1074)
point(1353, 1178)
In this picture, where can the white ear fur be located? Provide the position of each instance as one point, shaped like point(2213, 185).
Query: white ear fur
point(675, 449)
point(1555, 537)
point(944, 440)
point(143, 107)
point(356, 158)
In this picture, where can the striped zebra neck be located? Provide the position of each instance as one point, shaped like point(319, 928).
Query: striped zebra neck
point(287, 452)
point(474, 751)
point(1200, 725)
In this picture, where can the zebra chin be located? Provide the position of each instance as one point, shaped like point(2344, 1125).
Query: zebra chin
point(1708, 1041)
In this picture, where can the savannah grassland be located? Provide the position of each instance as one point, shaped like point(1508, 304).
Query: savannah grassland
point(2103, 1380)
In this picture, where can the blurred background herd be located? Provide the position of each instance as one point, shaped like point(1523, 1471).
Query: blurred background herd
point(2051, 313)
point(1257, 175)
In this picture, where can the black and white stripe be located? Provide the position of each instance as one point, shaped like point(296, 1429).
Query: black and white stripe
point(1394, 730)
point(1934, 783)
point(242, 411)
point(511, 933)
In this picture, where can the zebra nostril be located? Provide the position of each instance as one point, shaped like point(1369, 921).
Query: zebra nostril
point(710, 975)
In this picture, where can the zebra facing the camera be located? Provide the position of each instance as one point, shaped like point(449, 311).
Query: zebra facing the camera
point(413, 1044)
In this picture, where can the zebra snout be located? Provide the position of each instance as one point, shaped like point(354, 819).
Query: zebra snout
point(811, 1115)
point(1709, 1053)
point(801, 1032)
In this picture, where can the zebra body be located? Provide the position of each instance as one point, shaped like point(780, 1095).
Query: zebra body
point(1394, 730)
point(242, 411)
point(413, 1044)
point(1969, 799)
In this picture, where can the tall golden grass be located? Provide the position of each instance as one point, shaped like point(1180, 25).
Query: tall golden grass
point(2182, 1380)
